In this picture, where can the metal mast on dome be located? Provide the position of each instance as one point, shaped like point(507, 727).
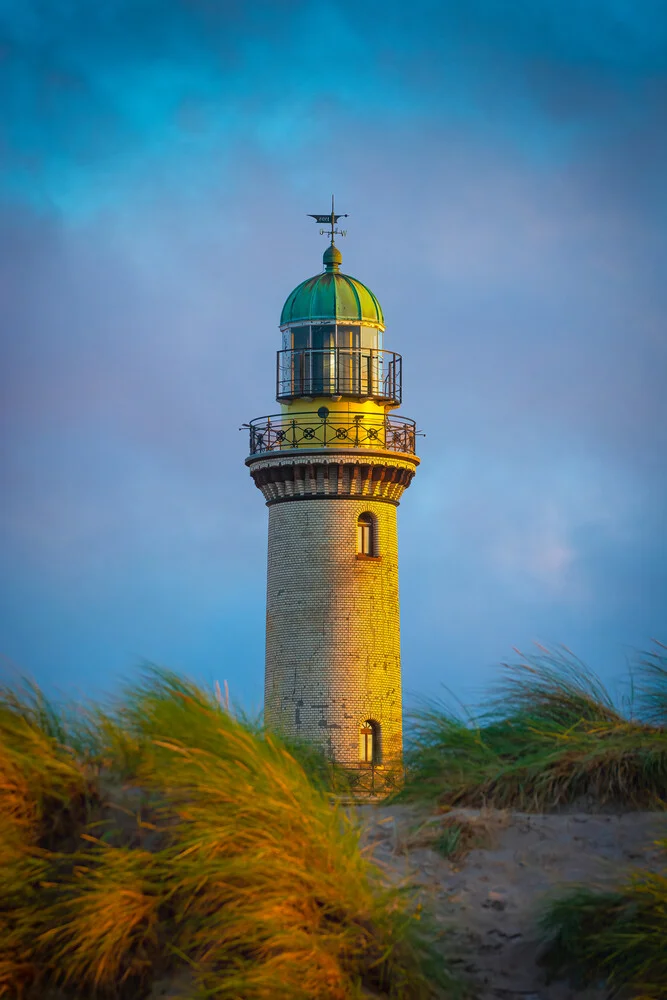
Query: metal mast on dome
point(331, 220)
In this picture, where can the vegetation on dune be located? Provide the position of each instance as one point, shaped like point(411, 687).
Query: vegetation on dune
point(551, 735)
point(168, 833)
point(618, 936)
point(322, 772)
point(651, 685)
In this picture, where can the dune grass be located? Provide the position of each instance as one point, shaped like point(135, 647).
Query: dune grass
point(550, 736)
point(166, 833)
point(651, 684)
point(618, 937)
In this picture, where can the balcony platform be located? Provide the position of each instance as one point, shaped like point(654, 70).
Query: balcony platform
point(315, 430)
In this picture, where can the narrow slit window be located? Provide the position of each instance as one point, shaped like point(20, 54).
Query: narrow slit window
point(366, 535)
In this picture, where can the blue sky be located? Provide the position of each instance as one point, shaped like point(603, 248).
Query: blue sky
point(503, 167)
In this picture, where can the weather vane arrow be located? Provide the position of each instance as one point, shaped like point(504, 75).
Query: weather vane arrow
point(330, 221)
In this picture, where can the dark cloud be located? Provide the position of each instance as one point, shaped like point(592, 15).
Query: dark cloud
point(102, 98)
point(514, 236)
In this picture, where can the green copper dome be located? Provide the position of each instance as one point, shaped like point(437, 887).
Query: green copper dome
point(332, 296)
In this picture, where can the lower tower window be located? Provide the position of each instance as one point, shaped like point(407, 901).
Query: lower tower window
point(369, 742)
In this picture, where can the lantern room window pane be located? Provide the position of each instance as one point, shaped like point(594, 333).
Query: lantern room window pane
point(349, 361)
point(370, 337)
point(298, 362)
point(323, 359)
point(323, 337)
point(347, 336)
point(300, 337)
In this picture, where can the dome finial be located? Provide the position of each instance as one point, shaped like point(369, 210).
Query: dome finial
point(332, 258)
point(332, 255)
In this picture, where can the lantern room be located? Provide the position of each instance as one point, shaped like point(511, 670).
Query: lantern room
point(332, 341)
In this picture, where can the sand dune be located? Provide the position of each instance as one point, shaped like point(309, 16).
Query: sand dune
point(491, 898)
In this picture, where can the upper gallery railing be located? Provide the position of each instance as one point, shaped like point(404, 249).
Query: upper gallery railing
point(340, 371)
point(322, 429)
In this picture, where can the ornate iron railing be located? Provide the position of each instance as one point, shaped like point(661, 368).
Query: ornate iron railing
point(338, 371)
point(322, 429)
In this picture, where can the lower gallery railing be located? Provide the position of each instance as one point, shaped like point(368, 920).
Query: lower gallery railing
point(326, 430)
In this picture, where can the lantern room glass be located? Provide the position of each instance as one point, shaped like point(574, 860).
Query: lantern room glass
point(334, 359)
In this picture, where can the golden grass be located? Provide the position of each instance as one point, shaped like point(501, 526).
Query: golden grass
point(106, 922)
point(166, 833)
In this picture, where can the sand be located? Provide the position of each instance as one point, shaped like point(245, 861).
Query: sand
point(490, 899)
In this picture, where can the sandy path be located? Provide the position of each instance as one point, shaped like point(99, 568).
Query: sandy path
point(492, 897)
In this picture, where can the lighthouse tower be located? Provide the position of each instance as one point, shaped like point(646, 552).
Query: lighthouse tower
point(332, 467)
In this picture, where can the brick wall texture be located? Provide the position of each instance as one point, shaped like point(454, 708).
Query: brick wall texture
point(332, 627)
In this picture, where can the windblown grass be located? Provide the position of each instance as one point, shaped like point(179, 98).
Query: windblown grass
point(651, 692)
point(618, 937)
point(323, 773)
point(551, 735)
point(165, 833)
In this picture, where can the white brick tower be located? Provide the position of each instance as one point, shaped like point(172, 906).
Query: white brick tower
point(332, 467)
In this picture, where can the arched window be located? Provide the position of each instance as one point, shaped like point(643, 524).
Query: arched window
point(369, 742)
point(366, 535)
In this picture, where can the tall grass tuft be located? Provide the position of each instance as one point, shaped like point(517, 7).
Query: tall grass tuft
point(652, 685)
point(550, 736)
point(47, 796)
point(321, 771)
point(618, 936)
point(177, 835)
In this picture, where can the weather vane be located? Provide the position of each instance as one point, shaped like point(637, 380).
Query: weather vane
point(331, 221)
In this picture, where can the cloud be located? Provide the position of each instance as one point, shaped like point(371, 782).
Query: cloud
point(105, 99)
point(161, 160)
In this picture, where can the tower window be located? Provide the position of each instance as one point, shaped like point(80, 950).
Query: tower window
point(369, 742)
point(367, 535)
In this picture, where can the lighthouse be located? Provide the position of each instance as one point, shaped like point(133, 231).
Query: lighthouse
point(332, 466)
